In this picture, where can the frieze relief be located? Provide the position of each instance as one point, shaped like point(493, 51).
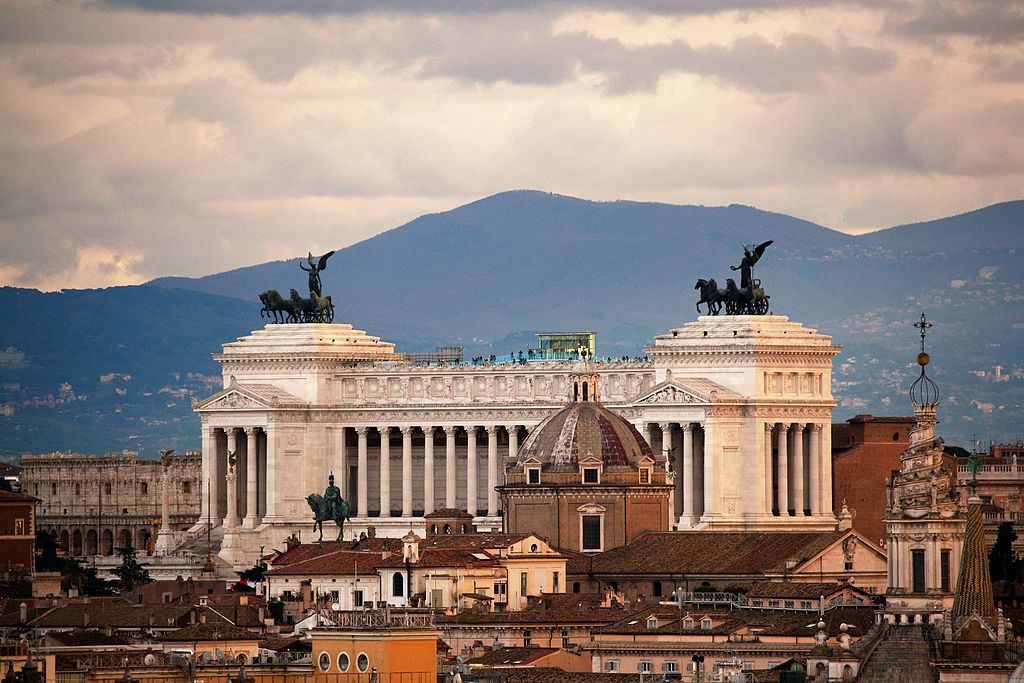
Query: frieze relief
point(671, 394)
point(235, 401)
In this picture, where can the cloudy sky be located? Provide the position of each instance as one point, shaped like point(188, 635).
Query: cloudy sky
point(147, 138)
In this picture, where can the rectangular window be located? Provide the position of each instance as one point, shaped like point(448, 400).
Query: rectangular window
point(186, 487)
point(357, 598)
point(19, 527)
point(670, 666)
point(917, 562)
point(944, 570)
point(611, 666)
point(522, 583)
point(848, 566)
point(527, 638)
point(533, 475)
point(591, 532)
point(436, 600)
point(590, 475)
point(644, 666)
point(645, 475)
point(500, 591)
point(106, 489)
point(565, 639)
point(144, 487)
point(554, 582)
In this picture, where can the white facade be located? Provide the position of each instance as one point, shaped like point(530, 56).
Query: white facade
point(303, 400)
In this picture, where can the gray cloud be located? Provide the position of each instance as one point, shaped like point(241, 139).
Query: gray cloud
point(994, 21)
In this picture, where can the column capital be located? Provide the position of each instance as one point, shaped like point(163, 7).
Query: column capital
point(471, 429)
point(815, 426)
point(450, 430)
point(406, 431)
point(428, 431)
point(491, 429)
point(665, 426)
point(686, 426)
point(250, 431)
point(213, 432)
point(799, 427)
point(383, 429)
point(361, 431)
point(769, 427)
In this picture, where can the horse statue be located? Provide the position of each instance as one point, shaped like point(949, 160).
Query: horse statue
point(330, 506)
point(275, 306)
point(710, 294)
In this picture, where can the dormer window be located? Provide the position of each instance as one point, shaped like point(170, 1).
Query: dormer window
point(688, 622)
point(645, 475)
point(591, 475)
point(533, 475)
point(705, 624)
point(652, 623)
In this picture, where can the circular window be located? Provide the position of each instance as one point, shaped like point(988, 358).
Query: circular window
point(324, 662)
point(343, 662)
point(533, 548)
point(362, 662)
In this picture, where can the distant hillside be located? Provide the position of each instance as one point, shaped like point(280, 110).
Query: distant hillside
point(490, 274)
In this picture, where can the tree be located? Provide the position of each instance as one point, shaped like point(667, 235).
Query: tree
point(248, 579)
point(130, 573)
point(1003, 564)
point(46, 552)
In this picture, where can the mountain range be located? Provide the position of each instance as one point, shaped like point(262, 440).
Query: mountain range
point(490, 274)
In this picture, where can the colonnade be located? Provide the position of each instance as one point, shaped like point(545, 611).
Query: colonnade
point(691, 498)
point(383, 471)
point(940, 559)
point(798, 480)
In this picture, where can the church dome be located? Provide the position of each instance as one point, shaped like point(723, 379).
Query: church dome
point(580, 430)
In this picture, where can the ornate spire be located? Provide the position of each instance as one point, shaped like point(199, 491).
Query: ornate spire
point(973, 585)
point(924, 392)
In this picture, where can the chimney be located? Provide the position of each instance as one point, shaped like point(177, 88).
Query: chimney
point(371, 531)
point(85, 618)
point(22, 613)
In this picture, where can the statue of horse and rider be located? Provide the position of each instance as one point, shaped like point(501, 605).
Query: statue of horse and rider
point(329, 507)
point(746, 299)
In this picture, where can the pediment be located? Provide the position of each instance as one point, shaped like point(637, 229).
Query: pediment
point(671, 392)
point(244, 397)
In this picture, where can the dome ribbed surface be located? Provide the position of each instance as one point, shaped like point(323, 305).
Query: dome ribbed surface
point(582, 430)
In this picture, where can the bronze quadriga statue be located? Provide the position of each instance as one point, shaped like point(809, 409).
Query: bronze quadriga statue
point(746, 299)
point(296, 309)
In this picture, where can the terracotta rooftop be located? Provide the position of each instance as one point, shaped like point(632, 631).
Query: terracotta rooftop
point(473, 541)
point(12, 497)
point(431, 558)
point(307, 551)
point(124, 615)
point(554, 609)
point(209, 632)
point(789, 589)
point(714, 552)
point(547, 675)
point(86, 638)
point(512, 656)
point(448, 513)
point(340, 562)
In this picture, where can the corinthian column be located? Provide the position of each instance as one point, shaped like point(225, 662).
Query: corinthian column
point(428, 470)
point(449, 467)
point(798, 469)
point(783, 455)
point(231, 479)
point(471, 478)
point(687, 491)
point(385, 471)
point(815, 469)
point(252, 464)
point(361, 466)
point(513, 441)
point(492, 470)
point(406, 471)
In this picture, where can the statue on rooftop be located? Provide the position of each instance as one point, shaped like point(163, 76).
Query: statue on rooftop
point(314, 268)
point(746, 299)
point(329, 507)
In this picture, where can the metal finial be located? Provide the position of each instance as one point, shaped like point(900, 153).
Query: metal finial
point(923, 324)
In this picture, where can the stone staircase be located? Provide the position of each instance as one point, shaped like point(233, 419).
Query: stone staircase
point(195, 542)
point(902, 657)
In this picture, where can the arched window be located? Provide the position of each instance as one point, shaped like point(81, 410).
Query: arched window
point(656, 589)
point(895, 436)
point(397, 585)
point(447, 528)
point(585, 393)
point(78, 489)
point(575, 586)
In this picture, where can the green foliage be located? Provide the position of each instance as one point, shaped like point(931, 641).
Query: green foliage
point(1003, 564)
point(46, 552)
point(252, 575)
point(130, 573)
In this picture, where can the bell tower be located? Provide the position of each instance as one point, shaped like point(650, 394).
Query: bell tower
point(924, 523)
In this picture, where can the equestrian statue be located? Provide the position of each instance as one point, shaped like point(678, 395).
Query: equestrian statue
point(328, 507)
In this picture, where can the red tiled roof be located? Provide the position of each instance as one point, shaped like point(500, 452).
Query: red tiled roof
point(341, 562)
point(788, 589)
point(713, 552)
point(436, 558)
point(512, 656)
point(308, 551)
point(209, 632)
point(473, 541)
